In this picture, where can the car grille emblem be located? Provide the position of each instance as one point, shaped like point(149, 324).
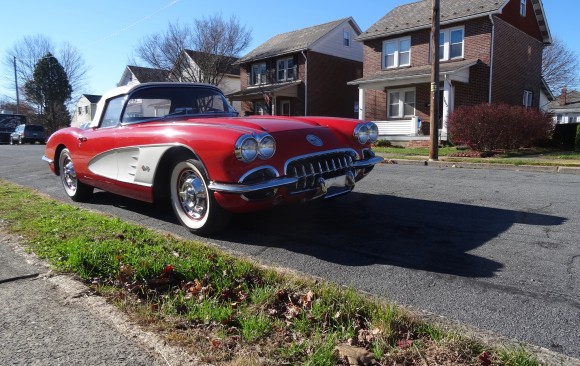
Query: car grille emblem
point(314, 140)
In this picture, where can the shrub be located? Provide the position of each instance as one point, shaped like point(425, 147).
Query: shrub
point(488, 127)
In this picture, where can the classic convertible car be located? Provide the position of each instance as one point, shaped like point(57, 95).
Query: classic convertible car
point(184, 143)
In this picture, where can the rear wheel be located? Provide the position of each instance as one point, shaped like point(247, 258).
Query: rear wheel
point(75, 189)
point(193, 203)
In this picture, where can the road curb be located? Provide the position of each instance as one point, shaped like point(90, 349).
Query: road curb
point(468, 165)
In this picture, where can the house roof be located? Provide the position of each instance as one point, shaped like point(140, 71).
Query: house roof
point(413, 72)
point(197, 56)
point(295, 41)
point(147, 74)
point(572, 102)
point(417, 15)
point(92, 98)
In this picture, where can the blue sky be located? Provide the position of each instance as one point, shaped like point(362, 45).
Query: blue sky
point(106, 32)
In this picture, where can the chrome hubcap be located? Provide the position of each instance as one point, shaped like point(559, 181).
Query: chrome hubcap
point(69, 175)
point(192, 195)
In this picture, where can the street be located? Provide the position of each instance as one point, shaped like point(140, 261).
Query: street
point(493, 249)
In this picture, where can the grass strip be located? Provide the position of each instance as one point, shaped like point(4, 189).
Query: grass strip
point(228, 310)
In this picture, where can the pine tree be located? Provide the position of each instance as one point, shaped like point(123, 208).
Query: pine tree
point(49, 89)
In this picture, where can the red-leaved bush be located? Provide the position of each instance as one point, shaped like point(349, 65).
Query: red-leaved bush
point(488, 127)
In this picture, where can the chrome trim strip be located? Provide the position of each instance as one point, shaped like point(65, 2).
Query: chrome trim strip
point(245, 188)
point(50, 161)
point(263, 167)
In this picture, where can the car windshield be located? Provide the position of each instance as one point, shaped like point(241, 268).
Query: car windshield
point(164, 102)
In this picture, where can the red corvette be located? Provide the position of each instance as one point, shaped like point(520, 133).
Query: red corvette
point(185, 143)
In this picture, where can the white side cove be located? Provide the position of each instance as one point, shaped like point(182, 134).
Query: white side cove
point(134, 165)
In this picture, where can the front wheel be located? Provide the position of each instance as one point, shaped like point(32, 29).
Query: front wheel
point(193, 203)
point(75, 189)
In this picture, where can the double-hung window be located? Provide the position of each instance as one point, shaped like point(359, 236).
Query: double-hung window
point(258, 74)
point(523, 7)
point(346, 38)
point(285, 69)
point(397, 52)
point(451, 43)
point(401, 103)
point(528, 98)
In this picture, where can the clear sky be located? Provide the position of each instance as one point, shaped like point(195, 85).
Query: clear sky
point(106, 32)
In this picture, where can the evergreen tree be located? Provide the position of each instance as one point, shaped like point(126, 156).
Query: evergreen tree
point(49, 89)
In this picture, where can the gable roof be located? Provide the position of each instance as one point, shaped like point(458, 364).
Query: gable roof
point(417, 15)
point(92, 98)
point(197, 56)
point(147, 74)
point(295, 41)
point(572, 102)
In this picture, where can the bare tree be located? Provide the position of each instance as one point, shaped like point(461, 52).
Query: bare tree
point(201, 53)
point(31, 49)
point(560, 66)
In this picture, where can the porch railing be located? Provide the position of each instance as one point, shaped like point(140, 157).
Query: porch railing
point(407, 127)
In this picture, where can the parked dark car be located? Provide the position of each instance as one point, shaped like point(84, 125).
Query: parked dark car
point(28, 134)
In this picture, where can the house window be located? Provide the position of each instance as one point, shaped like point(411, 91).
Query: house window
point(397, 52)
point(80, 110)
point(285, 69)
point(451, 44)
point(401, 103)
point(87, 109)
point(258, 74)
point(528, 98)
point(346, 38)
point(523, 7)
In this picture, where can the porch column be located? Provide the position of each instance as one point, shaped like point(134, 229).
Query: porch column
point(448, 104)
point(361, 104)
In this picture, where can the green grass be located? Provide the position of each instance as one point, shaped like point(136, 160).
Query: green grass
point(163, 281)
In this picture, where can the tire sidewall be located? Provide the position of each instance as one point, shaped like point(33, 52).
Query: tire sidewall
point(186, 220)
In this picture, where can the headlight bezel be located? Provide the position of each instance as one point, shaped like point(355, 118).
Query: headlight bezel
point(365, 133)
point(249, 147)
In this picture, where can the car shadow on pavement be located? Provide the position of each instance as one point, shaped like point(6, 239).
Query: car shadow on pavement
point(364, 229)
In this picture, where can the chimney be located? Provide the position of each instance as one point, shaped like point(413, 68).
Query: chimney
point(563, 96)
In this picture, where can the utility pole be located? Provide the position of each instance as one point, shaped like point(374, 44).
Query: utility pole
point(434, 110)
point(16, 84)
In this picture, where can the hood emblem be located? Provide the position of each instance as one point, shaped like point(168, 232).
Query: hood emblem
point(314, 140)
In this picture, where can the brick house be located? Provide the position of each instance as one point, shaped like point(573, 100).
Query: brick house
point(303, 72)
point(490, 52)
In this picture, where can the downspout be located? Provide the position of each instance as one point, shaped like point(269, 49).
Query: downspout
point(305, 83)
point(491, 56)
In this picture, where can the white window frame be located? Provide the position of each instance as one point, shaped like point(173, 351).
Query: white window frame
point(401, 103)
point(258, 78)
point(397, 53)
point(346, 38)
point(285, 70)
point(528, 98)
point(446, 44)
point(523, 7)
point(282, 104)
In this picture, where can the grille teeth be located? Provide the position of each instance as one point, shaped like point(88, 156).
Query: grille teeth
point(309, 170)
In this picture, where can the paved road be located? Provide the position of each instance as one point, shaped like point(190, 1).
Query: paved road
point(494, 249)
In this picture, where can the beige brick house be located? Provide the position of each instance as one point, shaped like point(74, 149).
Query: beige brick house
point(490, 51)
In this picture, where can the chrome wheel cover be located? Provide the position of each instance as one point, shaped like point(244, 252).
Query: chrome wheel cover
point(192, 195)
point(69, 177)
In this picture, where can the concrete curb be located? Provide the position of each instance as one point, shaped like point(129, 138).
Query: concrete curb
point(468, 165)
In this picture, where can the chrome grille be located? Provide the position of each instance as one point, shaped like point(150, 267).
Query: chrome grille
point(309, 169)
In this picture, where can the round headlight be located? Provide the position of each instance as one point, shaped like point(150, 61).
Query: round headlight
point(267, 147)
point(373, 132)
point(246, 148)
point(361, 132)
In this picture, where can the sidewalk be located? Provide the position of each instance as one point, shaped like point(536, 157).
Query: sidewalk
point(442, 162)
point(51, 320)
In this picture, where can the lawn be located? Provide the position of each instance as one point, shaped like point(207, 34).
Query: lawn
point(228, 310)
